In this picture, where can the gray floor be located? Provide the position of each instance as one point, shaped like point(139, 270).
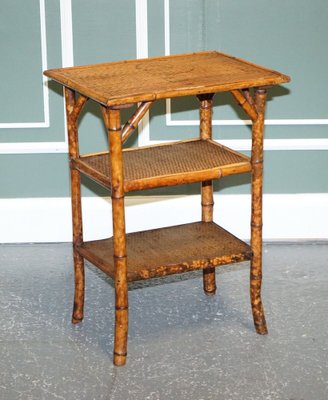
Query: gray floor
point(182, 344)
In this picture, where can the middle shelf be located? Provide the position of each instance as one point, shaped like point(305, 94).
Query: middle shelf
point(166, 164)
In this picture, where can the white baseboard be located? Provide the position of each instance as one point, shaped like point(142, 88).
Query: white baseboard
point(286, 216)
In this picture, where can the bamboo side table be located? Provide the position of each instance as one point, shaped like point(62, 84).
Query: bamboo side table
point(202, 245)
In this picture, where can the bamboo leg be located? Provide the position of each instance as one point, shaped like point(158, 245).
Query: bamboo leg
point(207, 216)
point(205, 110)
point(77, 239)
point(256, 219)
point(76, 206)
point(121, 285)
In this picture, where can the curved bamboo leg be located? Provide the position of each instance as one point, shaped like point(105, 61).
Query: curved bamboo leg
point(205, 111)
point(256, 219)
point(73, 108)
point(121, 285)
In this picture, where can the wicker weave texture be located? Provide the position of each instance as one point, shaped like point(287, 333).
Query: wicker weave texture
point(171, 159)
point(171, 76)
point(170, 250)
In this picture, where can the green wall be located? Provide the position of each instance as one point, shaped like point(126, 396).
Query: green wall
point(290, 36)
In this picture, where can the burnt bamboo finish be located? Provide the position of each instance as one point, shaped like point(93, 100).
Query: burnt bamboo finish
point(132, 122)
point(201, 245)
point(133, 81)
point(246, 103)
point(256, 218)
point(172, 250)
point(119, 237)
point(207, 201)
point(73, 108)
point(167, 164)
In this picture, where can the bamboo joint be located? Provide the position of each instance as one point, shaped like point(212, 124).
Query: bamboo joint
point(134, 120)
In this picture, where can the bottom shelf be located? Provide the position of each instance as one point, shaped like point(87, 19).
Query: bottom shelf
point(171, 250)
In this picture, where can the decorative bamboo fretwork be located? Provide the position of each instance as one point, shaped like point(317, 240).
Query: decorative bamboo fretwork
point(244, 102)
point(132, 122)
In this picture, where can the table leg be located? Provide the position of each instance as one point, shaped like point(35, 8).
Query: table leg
point(72, 114)
point(256, 218)
point(77, 239)
point(205, 110)
point(120, 261)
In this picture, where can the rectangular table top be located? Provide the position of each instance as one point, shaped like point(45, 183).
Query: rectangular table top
point(133, 81)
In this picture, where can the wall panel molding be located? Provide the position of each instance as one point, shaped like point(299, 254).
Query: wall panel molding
point(67, 60)
point(144, 137)
point(43, 39)
point(142, 52)
point(66, 24)
point(270, 144)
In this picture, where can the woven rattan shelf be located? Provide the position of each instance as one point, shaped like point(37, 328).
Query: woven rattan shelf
point(202, 245)
point(169, 164)
point(170, 250)
point(150, 79)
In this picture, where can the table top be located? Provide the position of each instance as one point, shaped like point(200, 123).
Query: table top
point(148, 79)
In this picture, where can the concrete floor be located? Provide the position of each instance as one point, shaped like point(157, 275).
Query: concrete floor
point(182, 344)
